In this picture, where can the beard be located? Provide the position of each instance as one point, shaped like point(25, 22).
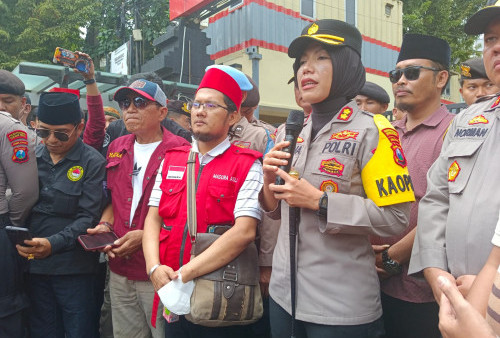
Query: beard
point(404, 106)
point(203, 137)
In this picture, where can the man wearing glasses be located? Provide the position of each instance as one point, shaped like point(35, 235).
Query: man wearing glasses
point(70, 173)
point(229, 179)
point(420, 77)
point(133, 162)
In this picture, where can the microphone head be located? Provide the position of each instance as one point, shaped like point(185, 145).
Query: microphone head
point(295, 120)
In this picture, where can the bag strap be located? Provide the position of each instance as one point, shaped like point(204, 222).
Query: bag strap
point(191, 196)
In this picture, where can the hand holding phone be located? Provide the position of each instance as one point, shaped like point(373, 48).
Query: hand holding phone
point(97, 241)
point(17, 235)
point(67, 58)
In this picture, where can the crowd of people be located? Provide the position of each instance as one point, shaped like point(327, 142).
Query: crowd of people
point(396, 229)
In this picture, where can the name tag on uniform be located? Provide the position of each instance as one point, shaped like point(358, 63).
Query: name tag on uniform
point(175, 172)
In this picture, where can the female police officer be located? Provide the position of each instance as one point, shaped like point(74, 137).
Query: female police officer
point(354, 183)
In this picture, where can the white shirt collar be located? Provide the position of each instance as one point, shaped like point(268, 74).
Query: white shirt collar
point(212, 153)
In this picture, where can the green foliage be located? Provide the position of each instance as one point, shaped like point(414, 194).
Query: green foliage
point(30, 30)
point(444, 19)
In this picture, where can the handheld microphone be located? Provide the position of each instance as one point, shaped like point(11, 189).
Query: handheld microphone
point(293, 127)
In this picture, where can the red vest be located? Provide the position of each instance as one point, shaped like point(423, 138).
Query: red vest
point(216, 194)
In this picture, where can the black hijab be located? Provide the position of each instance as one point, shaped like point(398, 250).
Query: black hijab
point(348, 78)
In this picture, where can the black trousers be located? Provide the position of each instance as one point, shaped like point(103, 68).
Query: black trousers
point(281, 327)
point(410, 320)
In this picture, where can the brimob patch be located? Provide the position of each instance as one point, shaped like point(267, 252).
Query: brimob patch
point(75, 173)
point(393, 137)
point(329, 186)
point(17, 134)
point(344, 135)
point(345, 114)
point(242, 144)
point(453, 171)
point(480, 119)
point(332, 167)
point(20, 154)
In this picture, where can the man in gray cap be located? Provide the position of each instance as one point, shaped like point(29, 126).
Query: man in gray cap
point(17, 172)
point(373, 98)
point(420, 76)
point(474, 82)
point(71, 175)
point(459, 212)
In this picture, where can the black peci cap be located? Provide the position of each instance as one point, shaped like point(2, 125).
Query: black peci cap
point(59, 108)
point(10, 84)
point(327, 32)
point(481, 19)
point(418, 46)
point(375, 92)
point(473, 69)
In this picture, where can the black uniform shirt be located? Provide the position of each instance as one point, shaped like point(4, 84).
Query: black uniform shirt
point(70, 202)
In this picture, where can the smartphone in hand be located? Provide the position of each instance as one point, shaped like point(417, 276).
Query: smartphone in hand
point(97, 241)
point(68, 58)
point(17, 235)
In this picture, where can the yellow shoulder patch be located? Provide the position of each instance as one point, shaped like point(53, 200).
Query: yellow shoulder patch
point(385, 177)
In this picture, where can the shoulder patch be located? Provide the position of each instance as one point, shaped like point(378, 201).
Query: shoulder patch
point(242, 144)
point(496, 103)
point(20, 154)
point(385, 177)
point(16, 135)
point(345, 114)
point(478, 120)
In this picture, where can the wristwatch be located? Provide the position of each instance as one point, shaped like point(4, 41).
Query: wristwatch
point(323, 206)
point(390, 266)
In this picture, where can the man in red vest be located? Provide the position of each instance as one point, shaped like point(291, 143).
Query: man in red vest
point(228, 180)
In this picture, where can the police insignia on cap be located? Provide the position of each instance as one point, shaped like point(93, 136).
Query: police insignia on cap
point(344, 135)
point(332, 167)
point(393, 137)
point(345, 114)
point(329, 186)
point(480, 119)
point(75, 173)
point(313, 29)
point(453, 171)
point(20, 155)
point(185, 108)
point(465, 70)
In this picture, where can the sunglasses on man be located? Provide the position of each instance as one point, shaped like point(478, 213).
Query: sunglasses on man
point(139, 103)
point(411, 73)
point(60, 135)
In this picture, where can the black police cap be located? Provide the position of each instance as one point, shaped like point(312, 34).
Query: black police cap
point(327, 32)
point(57, 108)
point(10, 84)
point(375, 92)
point(473, 69)
point(253, 96)
point(481, 19)
point(419, 46)
point(179, 107)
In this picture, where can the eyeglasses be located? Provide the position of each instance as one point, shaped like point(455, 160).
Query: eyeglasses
point(411, 73)
point(208, 106)
point(60, 135)
point(139, 102)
